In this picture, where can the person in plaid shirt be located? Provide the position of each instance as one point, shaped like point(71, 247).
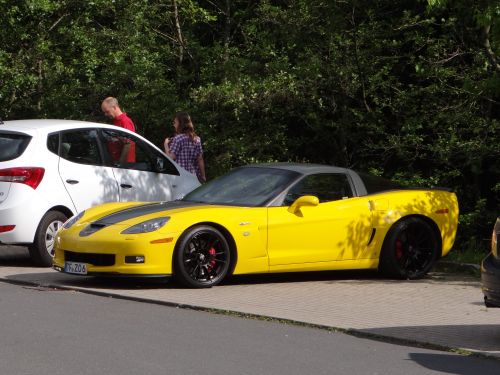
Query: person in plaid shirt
point(185, 147)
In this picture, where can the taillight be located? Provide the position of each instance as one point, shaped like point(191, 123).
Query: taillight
point(30, 176)
point(6, 228)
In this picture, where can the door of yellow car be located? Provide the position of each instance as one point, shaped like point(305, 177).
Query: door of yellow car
point(337, 228)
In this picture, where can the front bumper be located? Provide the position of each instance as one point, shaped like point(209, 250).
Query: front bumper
point(490, 280)
point(115, 274)
point(157, 257)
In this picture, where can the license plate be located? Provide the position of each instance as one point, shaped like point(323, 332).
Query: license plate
point(76, 268)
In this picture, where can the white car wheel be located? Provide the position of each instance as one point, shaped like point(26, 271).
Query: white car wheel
point(42, 250)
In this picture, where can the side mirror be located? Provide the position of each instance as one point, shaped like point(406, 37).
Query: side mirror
point(306, 200)
point(159, 164)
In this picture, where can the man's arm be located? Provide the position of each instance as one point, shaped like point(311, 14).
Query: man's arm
point(124, 154)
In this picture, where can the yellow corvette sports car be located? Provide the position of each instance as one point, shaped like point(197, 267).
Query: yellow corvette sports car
point(265, 218)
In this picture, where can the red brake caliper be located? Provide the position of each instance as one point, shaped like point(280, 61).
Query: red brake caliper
point(212, 262)
point(399, 249)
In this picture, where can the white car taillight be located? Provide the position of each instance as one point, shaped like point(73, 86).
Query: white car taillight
point(31, 176)
point(6, 228)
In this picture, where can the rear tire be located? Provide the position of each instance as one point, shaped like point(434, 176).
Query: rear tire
point(42, 249)
point(410, 249)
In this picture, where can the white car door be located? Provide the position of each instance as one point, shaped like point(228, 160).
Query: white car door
point(142, 172)
point(88, 181)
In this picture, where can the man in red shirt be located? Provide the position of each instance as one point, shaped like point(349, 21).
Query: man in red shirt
point(112, 110)
point(120, 151)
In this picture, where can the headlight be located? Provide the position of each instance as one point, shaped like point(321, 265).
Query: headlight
point(72, 220)
point(147, 226)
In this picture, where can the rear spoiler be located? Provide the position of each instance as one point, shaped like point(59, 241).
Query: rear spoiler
point(449, 190)
point(404, 188)
point(442, 188)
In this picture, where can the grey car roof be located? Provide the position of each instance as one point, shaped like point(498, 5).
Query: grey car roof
point(304, 169)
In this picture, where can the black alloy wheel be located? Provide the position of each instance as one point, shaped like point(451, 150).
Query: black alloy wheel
point(410, 249)
point(202, 257)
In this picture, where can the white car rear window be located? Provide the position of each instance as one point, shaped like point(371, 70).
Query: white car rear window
point(12, 145)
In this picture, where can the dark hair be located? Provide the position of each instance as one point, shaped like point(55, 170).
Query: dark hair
point(185, 125)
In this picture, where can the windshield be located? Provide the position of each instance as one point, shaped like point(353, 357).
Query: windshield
point(247, 186)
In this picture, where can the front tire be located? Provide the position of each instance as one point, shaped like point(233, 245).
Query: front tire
point(42, 249)
point(202, 257)
point(410, 249)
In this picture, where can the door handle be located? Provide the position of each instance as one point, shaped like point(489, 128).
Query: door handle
point(72, 182)
point(126, 186)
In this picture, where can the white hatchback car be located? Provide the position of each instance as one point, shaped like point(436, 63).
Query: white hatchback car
point(52, 169)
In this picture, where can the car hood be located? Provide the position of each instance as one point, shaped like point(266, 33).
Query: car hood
point(119, 213)
point(141, 210)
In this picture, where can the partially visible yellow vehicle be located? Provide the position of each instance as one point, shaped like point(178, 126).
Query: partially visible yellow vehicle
point(490, 270)
point(266, 218)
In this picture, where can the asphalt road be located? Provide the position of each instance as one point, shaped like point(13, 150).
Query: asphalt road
point(47, 331)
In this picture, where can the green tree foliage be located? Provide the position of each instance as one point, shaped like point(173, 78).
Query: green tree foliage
point(409, 90)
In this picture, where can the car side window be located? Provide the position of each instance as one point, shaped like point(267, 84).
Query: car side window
point(326, 186)
point(123, 150)
point(80, 146)
point(53, 143)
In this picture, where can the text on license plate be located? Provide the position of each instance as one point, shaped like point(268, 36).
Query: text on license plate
point(74, 267)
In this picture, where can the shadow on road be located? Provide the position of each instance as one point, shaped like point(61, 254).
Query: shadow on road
point(124, 283)
point(290, 277)
point(15, 256)
point(451, 364)
point(54, 278)
point(476, 337)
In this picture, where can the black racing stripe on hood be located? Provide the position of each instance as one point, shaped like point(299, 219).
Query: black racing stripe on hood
point(146, 209)
point(133, 212)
